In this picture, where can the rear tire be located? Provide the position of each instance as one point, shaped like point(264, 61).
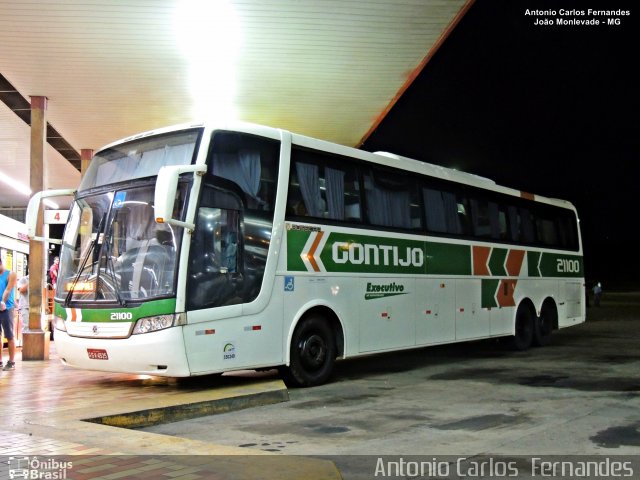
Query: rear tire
point(524, 327)
point(544, 324)
point(313, 353)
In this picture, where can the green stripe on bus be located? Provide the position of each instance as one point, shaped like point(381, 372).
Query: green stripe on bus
point(367, 254)
point(555, 265)
point(354, 253)
point(496, 262)
point(561, 265)
point(147, 309)
point(488, 293)
point(448, 259)
point(296, 240)
point(532, 262)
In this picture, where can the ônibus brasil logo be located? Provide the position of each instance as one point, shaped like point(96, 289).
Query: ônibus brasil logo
point(38, 468)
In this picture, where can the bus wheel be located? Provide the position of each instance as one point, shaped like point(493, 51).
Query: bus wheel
point(524, 328)
point(544, 324)
point(313, 353)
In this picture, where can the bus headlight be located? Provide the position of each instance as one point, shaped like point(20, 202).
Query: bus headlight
point(59, 324)
point(158, 322)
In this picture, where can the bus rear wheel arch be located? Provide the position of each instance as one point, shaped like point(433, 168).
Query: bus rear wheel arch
point(315, 344)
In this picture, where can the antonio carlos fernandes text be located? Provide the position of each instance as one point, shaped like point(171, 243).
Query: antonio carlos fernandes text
point(499, 468)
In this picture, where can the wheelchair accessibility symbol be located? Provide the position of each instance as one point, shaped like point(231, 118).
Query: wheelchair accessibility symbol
point(289, 285)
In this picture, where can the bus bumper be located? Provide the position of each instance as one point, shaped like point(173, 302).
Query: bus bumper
point(158, 353)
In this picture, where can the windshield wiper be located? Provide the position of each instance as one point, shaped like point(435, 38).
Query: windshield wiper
point(90, 250)
point(72, 288)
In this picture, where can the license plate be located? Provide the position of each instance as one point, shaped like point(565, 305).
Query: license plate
point(97, 353)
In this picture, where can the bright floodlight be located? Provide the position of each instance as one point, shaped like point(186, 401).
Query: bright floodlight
point(208, 34)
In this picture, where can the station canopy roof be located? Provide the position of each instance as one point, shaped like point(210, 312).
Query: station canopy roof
point(328, 69)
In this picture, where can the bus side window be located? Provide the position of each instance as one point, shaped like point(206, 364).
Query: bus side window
point(464, 217)
point(442, 211)
point(321, 186)
point(392, 199)
point(309, 202)
point(480, 218)
point(547, 228)
point(216, 264)
point(251, 163)
point(499, 220)
point(566, 230)
point(488, 220)
point(527, 230)
point(514, 224)
point(214, 259)
point(435, 210)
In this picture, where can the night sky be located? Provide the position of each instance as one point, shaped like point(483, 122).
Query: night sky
point(552, 110)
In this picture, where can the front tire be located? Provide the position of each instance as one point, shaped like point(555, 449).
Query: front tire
point(524, 328)
point(313, 353)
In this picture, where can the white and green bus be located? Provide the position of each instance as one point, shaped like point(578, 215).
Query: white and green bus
point(202, 249)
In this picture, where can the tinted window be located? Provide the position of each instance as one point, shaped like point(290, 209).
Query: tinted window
point(323, 186)
point(392, 199)
point(251, 163)
point(336, 188)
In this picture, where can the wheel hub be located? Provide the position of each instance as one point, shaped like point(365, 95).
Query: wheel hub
point(313, 352)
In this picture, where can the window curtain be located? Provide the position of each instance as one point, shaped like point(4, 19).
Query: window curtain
point(388, 208)
point(117, 170)
point(152, 160)
point(494, 219)
point(514, 228)
point(451, 212)
point(400, 209)
point(434, 206)
point(243, 169)
point(143, 164)
point(310, 188)
point(334, 183)
point(475, 217)
point(528, 234)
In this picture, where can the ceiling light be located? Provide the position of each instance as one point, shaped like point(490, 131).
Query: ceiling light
point(16, 185)
point(209, 37)
point(24, 190)
point(51, 204)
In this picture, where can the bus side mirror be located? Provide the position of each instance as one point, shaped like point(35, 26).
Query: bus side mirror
point(165, 194)
point(34, 207)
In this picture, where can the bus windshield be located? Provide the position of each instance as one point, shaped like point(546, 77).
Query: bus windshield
point(114, 251)
point(140, 158)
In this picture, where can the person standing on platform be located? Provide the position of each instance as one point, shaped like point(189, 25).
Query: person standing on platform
point(7, 284)
point(23, 304)
point(53, 272)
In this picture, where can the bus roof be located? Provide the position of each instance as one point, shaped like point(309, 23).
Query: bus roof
point(383, 158)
